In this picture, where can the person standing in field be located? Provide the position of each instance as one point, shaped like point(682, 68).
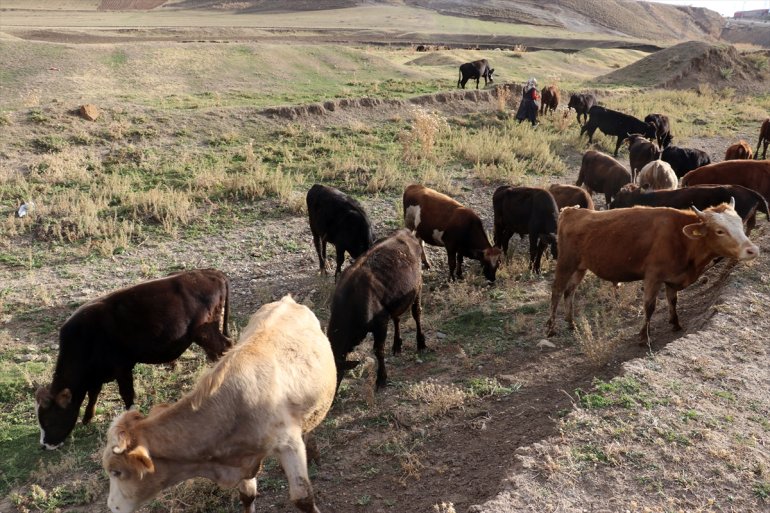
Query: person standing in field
point(528, 107)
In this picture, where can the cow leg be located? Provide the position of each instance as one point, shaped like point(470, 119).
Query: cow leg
point(651, 289)
point(213, 342)
point(340, 259)
point(319, 252)
point(536, 249)
point(424, 256)
point(397, 341)
point(459, 266)
point(417, 314)
point(380, 333)
point(247, 490)
point(452, 261)
point(93, 393)
point(617, 145)
point(569, 295)
point(560, 283)
point(291, 454)
point(125, 379)
point(673, 318)
point(477, 82)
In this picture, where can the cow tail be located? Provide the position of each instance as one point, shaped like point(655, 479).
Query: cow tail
point(459, 77)
point(226, 315)
point(762, 204)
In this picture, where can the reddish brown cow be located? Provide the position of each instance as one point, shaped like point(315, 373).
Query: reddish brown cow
point(602, 173)
point(753, 175)
point(441, 221)
point(764, 136)
point(570, 196)
point(739, 151)
point(619, 246)
point(550, 99)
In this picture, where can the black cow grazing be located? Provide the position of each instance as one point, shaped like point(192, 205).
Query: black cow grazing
point(582, 103)
point(381, 285)
point(662, 128)
point(153, 322)
point(340, 220)
point(683, 160)
point(526, 210)
point(475, 70)
point(747, 201)
point(640, 153)
point(615, 123)
point(603, 174)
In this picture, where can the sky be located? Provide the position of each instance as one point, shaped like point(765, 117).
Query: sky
point(725, 8)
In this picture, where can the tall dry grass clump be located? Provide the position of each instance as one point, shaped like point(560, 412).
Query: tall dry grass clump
point(419, 140)
point(438, 399)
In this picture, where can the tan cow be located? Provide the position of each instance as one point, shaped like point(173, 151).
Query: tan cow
point(657, 245)
point(274, 386)
point(739, 151)
point(657, 175)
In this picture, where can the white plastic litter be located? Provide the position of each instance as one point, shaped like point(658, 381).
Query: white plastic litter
point(25, 208)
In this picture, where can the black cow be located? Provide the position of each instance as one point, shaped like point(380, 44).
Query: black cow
point(338, 219)
point(153, 322)
point(662, 128)
point(683, 160)
point(526, 210)
point(475, 70)
point(612, 122)
point(582, 103)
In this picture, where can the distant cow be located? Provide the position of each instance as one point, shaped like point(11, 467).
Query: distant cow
point(739, 151)
point(662, 128)
point(570, 196)
point(751, 174)
point(526, 211)
point(640, 153)
point(381, 285)
point(153, 322)
point(764, 137)
point(273, 387)
point(616, 124)
point(657, 175)
point(441, 221)
point(582, 103)
point(603, 174)
point(661, 246)
point(340, 220)
point(747, 201)
point(475, 70)
point(683, 160)
point(550, 99)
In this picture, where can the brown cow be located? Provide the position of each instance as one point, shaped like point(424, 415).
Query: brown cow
point(739, 151)
point(549, 100)
point(570, 196)
point(620, 246)
point(764, 136)
point(273, 387)
point(602, 173)
point(657, 175)
point(441, 221)
point(640, 153)
point(753, 175)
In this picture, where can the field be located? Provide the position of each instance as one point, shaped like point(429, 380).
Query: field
point(184, 168)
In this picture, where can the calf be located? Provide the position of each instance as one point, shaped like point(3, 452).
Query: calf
point(739, 151)
point(751, 174)
point(616, 124)
point(570, 196)
point(381, 285)
point(153, 322)
point(657, 175)
point(475, 70)
point(622, 246)
point(340, 220)
point(526, 210)
point(582, 103)
point(273, 387)
point(764, 136)
point(441, 221)
point(549, 99)
point(683, 160)
point(640, 153)
point(602, 173)
point(662, 128)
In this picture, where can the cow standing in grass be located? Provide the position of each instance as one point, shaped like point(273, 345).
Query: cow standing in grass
point(475, 70)
point(602, 174)
point(764, 137)
point(616, 124)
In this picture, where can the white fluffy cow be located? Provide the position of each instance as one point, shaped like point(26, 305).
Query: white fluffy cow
point(657, 175)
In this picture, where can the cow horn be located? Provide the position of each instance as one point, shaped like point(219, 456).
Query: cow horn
point(698, 212)
point(732, 202)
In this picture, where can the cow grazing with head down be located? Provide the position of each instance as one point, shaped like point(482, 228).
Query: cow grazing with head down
point(153, 322)
point(338, 219)
point(570, 196)
point(526, 211)
point(751, 174)
point(662, 128)
point(739, 151)
point(764, 136)
point(640, 153)
point(381, 285)
point(657, 175)
point(620, 246)
point(549, 99)
point(616, 124)
point(582, 103)
point(683, 160)
point(603, 174)
point(475, 70)
point(441, 221)
point(273, 387)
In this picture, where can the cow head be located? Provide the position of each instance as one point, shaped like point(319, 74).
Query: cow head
point(57, 414)
point(651, 132)
point(490, 261)
point(489, 74)
point(721, 229)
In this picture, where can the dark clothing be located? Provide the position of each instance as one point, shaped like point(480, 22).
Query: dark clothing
point(528, 107)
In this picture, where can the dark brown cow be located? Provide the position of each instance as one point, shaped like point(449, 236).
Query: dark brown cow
point(764, 136)
point(739, 151)
point(621, 246)
point(640, 153)
point(441, 221)
point(153, 322)
point(751, 174)
point(549, 99)
point(603, 174)
point(570, 196)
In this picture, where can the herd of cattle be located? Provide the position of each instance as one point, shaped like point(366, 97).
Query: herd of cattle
point(278, 382)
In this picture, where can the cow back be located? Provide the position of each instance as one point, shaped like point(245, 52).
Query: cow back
point(750, 174)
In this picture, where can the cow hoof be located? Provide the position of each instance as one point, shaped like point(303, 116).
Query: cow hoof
point(381, 383)
point(676, 327)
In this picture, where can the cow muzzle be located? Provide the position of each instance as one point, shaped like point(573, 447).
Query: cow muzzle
point(748, 251)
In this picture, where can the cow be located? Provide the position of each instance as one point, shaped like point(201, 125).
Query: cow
point(549, 99)
point(526, 211)
point(273, 387)
point(739, 151)
point(582, 103)
point(751, 174)
point(684, 160)
point(747, 201)
point(570, 196)
point(657, 175)
point(662, 128)
point(603, 174)
point(764, 136)
point(152, 322)
point(441, 221)
point(657, 245)
point(475, 70)
point(616, 124)
point(340, 220)
point(379, 286)
point(640, 153)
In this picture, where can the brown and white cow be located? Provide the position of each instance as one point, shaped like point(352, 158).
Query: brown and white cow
point(751, 174)
point(764, 137)
point(620, 246)
point(739, 151)
point(441, 221)
point(273, 387)
point(657, 175)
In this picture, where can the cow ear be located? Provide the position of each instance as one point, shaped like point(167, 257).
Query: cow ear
point(140, 459)
point(694, 231)
point(43, 397)
point(64, 398)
